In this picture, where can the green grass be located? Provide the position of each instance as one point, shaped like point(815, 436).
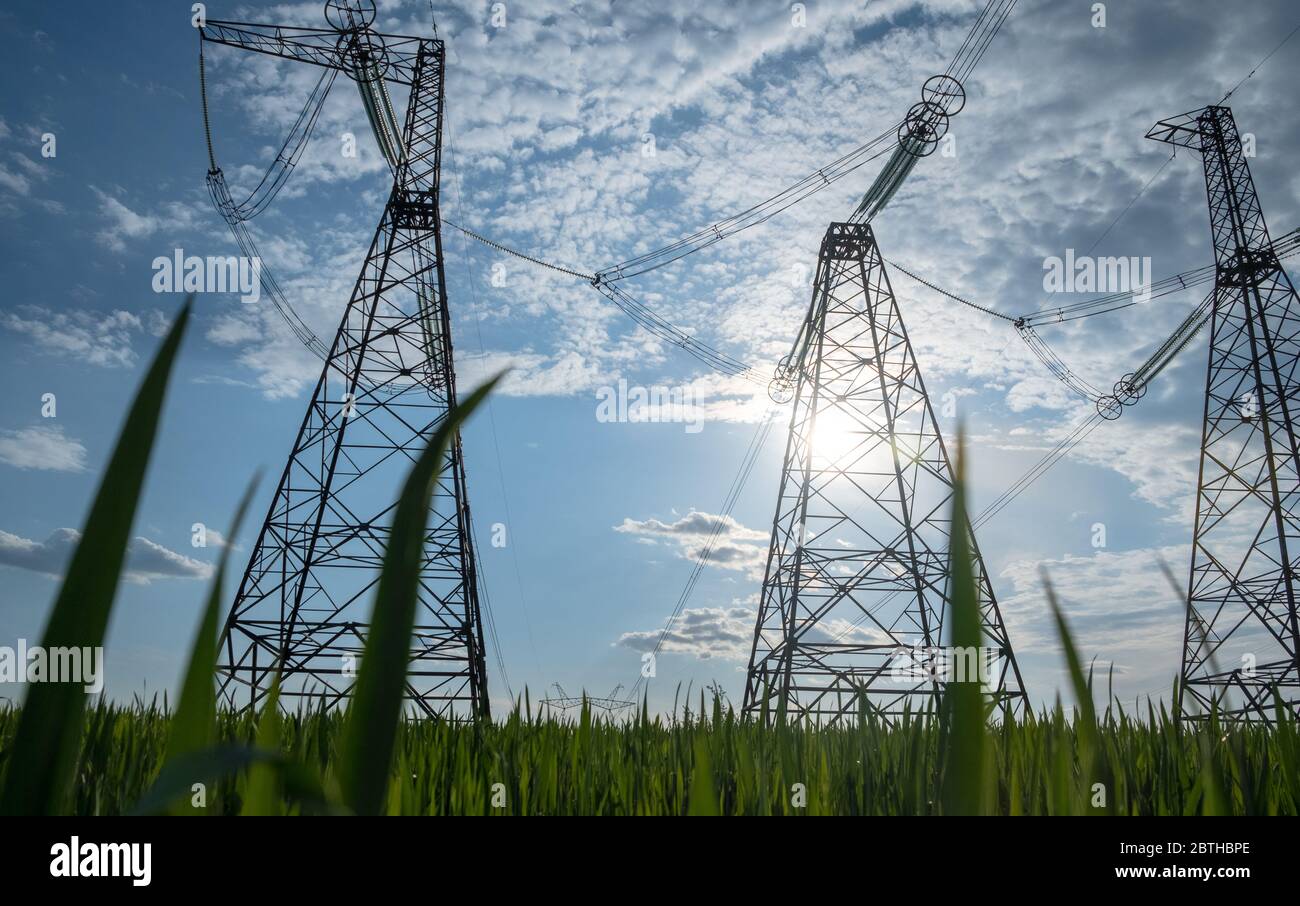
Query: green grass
point(58, 757)
point(649, 766)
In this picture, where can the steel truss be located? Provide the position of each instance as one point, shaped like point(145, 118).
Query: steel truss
point(856, 591)
point(1240, 635)
point(303, 605)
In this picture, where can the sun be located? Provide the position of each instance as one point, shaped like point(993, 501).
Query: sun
point(840, 441)
point(835, 437)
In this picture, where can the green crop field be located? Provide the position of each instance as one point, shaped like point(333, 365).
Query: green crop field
point(715, 765)
point(57, 756)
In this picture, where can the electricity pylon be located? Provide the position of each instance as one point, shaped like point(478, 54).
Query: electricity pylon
point(304, 603)
point(1240, 637)
point(856, 591)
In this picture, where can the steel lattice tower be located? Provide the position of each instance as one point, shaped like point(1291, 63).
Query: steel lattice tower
point(388, 382)
point(1240, 639)
point(857, 571)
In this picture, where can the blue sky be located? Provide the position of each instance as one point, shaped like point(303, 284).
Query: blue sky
point(547, 121)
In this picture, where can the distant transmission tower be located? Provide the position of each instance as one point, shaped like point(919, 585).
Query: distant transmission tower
point(610, 704)
point(856, 592)
point(388, 382)
point(1240, 640)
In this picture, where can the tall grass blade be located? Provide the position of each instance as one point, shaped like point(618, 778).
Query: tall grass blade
point(194, 725)
point(703, 800)
point(366, 748)
point(262, 794)
point(1092, 761)
point(963, 706)
point(41, 762)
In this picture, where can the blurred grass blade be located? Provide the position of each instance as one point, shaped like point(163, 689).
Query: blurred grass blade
point(42, 760)
point(204, 766)
point(1094, 767)
point(194, 725)
point(703, 798)
point(262, 795)
point(1078, 681)
point(963, 706)
point(366, 749)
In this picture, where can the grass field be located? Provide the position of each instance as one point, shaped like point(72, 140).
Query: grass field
point(721, 765)
point(62, 754)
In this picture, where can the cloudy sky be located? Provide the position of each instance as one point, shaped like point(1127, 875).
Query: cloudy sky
point(551, 109)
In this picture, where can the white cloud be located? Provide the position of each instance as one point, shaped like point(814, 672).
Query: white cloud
point(146, 560)
point(1120, 608)
point(214, 538)
point(735, 547)
point(14, 182)
point(705, 633)
point(281, 365)
point(694, 524)
point(124, 224)
point(20, 174)
point(43, 447)
point(90, 337)
point(529, 373)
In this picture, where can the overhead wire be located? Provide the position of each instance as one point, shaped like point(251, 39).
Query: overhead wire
point(1257, 66)
point(972, 50)
point(756, 214)
point(1040, 468)
point(1285, 246)
point(237, 214)
point(642, 314)
point(979, 38)
point(509, 251)
point(976, 43)
point(1043, 351)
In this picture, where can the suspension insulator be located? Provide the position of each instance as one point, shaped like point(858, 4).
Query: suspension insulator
point(348, 15)
point(922, 128)
point(780, 389)
point(1109, 408)
point(363, 54)
point(942, 96)
point(945, 92)
point(1127, 391)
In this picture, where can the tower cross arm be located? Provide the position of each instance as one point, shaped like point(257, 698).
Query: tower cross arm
point(1184, 130)
point(320, 47)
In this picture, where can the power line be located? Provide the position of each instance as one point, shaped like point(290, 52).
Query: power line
point(529, 258)
point(951, 295)
point(1285, 246)
point(638, 311)
point(755, 215)
point(977, 41)
point(1267, 56)
point(237, 215)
